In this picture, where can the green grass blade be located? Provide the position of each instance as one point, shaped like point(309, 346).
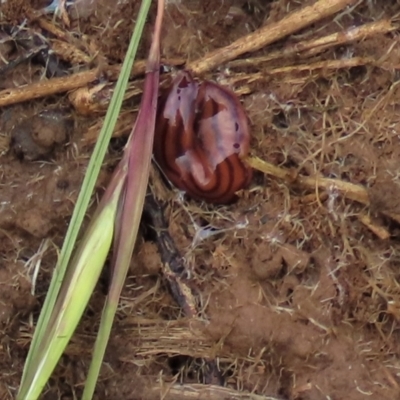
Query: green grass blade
point(139, 151)
point(79, 282)
point(84, 197)
point(72, 301)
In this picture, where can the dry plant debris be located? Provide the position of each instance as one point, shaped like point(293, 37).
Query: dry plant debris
point(298, 282)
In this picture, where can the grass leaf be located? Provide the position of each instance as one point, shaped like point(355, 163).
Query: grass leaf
point(139, 151)
point(34, 355)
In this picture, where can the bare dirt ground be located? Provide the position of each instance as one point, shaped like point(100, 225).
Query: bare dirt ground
point(299, 285)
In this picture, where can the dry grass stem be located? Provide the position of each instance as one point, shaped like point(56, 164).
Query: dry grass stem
point(72, 82)
point(202, 392)
point(47, 88)
point(269, 169)
point(325, 65)
point(347, 189)
point(139, 67)
point(379, 231)
point(184, 336)
point(316, 46)
point(269, 34)
point(47, 25)
point(69, 52)
point(4, 144)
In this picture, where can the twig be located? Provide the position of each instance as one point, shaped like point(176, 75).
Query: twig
point(65, 36)
point(47, 87)
point(379, 231)
point(68, 52)
point(140, 66)
point(60, 85)
point(174, 269)
point(315, 46)
point(176, 273)
point(269, 34)
point(44, 23)
point(326, 65)
point(348, 190)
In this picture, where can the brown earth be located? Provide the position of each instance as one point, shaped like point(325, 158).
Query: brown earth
point(299, 288)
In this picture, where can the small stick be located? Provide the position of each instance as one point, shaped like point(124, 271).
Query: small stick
point(315, 46)
point(379, 231)
point(269, 34)
point(176, 273)
point(47, 87)
point(326, 64)
point(349, 190)
point(66, 83)
point(65, 36)
point(68, 52)
point(174, 268)
point(139, 67)
point(45, 24)
point(269, 169)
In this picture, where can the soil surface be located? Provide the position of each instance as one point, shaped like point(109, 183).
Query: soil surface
point(298, 289)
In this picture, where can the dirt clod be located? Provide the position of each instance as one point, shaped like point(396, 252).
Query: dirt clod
point(36, 137)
